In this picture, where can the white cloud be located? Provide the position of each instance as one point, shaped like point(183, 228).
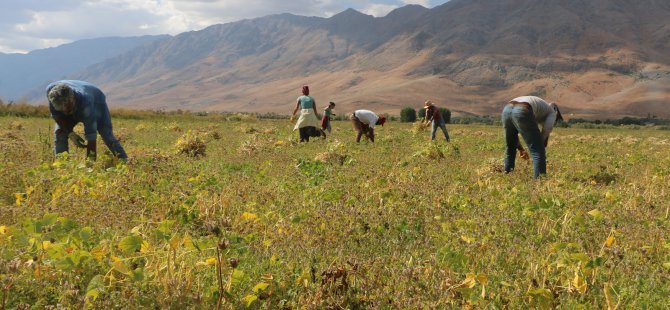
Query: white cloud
point(33, 24)
point(424, 3)
point(379, 10)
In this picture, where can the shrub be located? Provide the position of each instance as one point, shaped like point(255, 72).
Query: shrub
point(191, 144)
point(408, 115)
point(421, 113)
point(446, 115)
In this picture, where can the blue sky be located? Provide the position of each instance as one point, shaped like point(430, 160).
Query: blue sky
point(27, 25)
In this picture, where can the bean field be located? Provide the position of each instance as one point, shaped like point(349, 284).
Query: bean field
point(232, 213)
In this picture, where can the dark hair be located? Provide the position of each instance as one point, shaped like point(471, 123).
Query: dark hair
point(559, 116)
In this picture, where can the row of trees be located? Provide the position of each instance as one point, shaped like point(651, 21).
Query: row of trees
point(409, 115)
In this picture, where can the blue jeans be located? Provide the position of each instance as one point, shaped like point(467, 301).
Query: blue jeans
point(441, 125)
point(519, 119)
point(104, 128)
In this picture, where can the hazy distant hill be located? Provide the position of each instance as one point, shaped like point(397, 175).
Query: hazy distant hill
point(608, 57)
point(20, 73)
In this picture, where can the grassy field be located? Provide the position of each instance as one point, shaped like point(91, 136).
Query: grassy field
point(260, 221)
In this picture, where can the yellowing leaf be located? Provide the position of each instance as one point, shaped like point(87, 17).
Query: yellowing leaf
point(98, 253)
point(246, 216)
point(120, 267)
point(579, 284)
point(249, 299)
point(469, 281)
point(260, 287)
point(482, 279)
point(145, 246)
point(211, 261)
point(596, 214)
point(467, 239)
point(46, 244)
point(175, 242)
point(187, 241)
point(91, 295)
point(610, 241)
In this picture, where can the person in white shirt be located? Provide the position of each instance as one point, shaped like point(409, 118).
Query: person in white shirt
point(524, 115)
point(364, 123)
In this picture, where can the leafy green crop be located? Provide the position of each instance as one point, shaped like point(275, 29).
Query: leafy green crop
point(261, 221)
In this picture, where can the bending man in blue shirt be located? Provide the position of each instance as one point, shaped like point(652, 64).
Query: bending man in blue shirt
point(72, 102)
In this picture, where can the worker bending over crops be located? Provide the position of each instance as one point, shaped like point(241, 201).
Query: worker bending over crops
point(72, 102)
point(434, 116)
point(524, 115)
point(308, 122)
point(364, 123)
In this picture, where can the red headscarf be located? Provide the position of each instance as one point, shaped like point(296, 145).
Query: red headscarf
point(305, 90)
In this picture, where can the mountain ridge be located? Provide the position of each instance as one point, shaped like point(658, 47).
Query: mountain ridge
point(21, 73)
point(471, 55)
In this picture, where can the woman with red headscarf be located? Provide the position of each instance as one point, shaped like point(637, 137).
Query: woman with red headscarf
point(308, 122)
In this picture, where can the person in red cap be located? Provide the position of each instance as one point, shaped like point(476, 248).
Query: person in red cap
point(364, 123)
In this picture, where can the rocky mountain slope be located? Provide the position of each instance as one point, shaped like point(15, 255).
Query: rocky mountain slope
point(20, 73)
point(604, 57)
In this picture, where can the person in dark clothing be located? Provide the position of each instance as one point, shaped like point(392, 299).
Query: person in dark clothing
point(434, 116)
point(72, 102)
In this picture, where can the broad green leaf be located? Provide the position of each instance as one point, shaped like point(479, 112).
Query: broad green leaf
point(595, 263)
point(49, 219)
point(580, 257)
point(96, 283)
point(166, 226)
point(542, 298)
point(137, 275)
point(236, 277)
point(66, 264)
point(130, 244)
point(85, 233)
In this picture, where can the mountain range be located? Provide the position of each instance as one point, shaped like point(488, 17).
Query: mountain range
point(593, 57)
point(22, 73)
